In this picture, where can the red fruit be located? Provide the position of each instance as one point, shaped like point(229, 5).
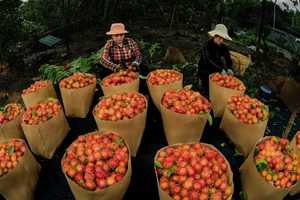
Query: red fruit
point(167, 164)
point(79, 178)
point(194, 195)
point(188, 184)
point(90, 185)
point(101, 183)
point(182, 171)
point(197, 186)
point(163, 76)
point(176, 189)
point(164, 185)
point(111, 180)
point(89, 176)
point(113, 163)
point(71, 172)
point(119, 177)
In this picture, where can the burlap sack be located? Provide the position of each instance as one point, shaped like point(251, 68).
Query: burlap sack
point(77, 102)
point(44, 139)
point(129, 87)
point(20, 183)
point(239, 63)
point(157, 91)
point(113, 192)
point(12, 129)
point(43, 93)
point(218, 96)
point(293, 145)
point(164, 196)
point(254, 186)
point(182, 127)
point(244, 136)
point(289, 93)
point(131, 130)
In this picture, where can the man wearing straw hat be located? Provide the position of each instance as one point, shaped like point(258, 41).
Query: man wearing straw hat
point(212, 55)
point(120, 52)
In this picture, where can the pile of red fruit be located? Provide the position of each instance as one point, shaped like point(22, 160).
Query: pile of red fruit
point(248, 110)
point(163, 76)
point(11, 153)
point(185, 101)
point(228, 81)
point(193, 171)
point(41, 112)
point(36, 86)
point(122, 106)
point(78, 80)
point(96, 161)
point(119, 78)
point(297, 140)
point(276, 163)
point(10, 112)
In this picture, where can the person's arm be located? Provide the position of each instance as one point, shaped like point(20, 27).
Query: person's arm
point(227, 57)
point(136, 51)
point(105, 59)
point(207, 61)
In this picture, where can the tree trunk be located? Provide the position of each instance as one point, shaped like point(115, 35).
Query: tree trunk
point(173, 14)
point(263, 8)
point(221, 14)
point(292, 118)
point(177, 18)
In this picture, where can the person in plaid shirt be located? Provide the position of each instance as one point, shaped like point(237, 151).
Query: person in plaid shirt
point(120, 52)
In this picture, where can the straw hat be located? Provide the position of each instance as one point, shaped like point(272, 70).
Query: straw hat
point(220, 30)
point(117, 28)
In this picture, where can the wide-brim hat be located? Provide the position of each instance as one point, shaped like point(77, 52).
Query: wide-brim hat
point(117, 28)
point(221, 31)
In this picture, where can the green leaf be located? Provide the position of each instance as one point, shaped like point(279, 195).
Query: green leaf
point(142, 77)
point(3, 108)
point(209, 118)
point(12, 108)
point(173, 168)
point(51, 99)
point(118, 141)
point(256, 152)
point(158, 164)
point(237, 152)
point(169, 173)
point(162, 171)
point(11, 149)
point(275, 124)
point(261, 164)
point(277, 108)
point(178, 89)
point(127, 103)
point(188, 86)
point(222, 145)
point(40, 101)
point(264, 117)
point(264, 108)
point(33, 112)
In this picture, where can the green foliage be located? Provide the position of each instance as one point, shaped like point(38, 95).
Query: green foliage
point(149, 52)
point(248, 37)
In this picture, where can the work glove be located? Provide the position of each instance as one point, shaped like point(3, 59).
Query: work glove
point(223, 72)
point(136, 65)
point(230, 72)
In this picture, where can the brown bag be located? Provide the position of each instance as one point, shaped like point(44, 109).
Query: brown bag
point(254, 186)
point(182, 127)
point(131, 130)
point(157, 91)
point(164, 196)
point(218, 97)
point(244, 136)
point(293, 145)
point(77, 102)
point(289, 93)
point(20, 183)
point(129, 87)
point(43, 93)
point(44, 139)
point(12, 129)
point(239, 63)
point(113, 192)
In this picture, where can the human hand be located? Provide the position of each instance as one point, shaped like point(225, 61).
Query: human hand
point(230, 72)
point(223, 72)
point(135, 66)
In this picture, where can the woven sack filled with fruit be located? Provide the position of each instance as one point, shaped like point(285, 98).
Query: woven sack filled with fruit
point(19, 171)
point(295, 144)
point(98, 166)
point(221, 88)
point(77, 92)
point(184, 115)
point(245, 121)
point(10, 126)
point(271, 170)
point(124, 113)
point(36, 91)
point(45, 127)
point(122, 81)
point(161, 80)
point(192, 171)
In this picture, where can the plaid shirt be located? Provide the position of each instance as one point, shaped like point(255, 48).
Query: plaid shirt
point(114, 56)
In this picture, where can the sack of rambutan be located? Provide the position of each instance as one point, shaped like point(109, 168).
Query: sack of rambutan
point(38, 90)
point(221, 88)
point(271, 170)
point(244, 121)
point(161, 80)
point(295, 145)
point(122, 81)
point(45, 127)
point(10, 126)
point(98, 166)
point(184, 114)
point(77, 92)
point(124, 113)
point(19, 171)
point(192, 171)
